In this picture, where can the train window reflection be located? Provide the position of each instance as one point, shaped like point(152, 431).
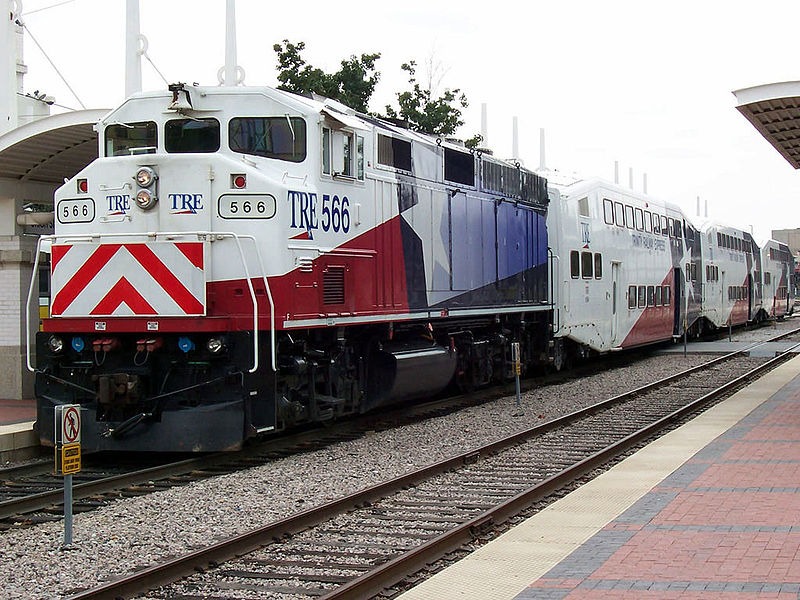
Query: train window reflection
point(125, 139)
point(191, 135)
point(283, 138)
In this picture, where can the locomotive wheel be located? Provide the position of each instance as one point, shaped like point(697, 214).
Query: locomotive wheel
point(560, 355)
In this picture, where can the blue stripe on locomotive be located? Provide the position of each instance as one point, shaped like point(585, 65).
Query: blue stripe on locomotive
point(497, 254)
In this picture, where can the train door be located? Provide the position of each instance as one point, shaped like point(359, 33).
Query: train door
point(614, 302)
point(677, 296)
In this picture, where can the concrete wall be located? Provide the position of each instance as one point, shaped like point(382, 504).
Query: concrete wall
point(790, 237)
point(17, 256)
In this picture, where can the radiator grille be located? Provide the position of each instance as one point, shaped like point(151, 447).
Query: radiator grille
point(333, 286)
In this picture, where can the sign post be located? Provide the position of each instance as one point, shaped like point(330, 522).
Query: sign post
point(68, 457)
point(515, 356)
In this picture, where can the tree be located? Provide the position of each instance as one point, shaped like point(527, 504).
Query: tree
point(435, 116)
point(351, 85)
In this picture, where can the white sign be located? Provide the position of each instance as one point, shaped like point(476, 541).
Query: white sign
point(71, 424)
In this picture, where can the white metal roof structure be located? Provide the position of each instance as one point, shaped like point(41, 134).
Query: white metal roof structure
point(774, 110)
point(50, 149)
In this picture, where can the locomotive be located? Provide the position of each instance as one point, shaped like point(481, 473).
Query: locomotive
point(240, 261)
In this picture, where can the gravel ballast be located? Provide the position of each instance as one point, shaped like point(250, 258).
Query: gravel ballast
point(136, 532)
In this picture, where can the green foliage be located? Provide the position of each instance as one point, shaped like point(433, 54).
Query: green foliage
point(436, 116)
point(352, 85)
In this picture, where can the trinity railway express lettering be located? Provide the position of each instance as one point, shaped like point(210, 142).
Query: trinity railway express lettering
point(185, 204)
point(309, 213)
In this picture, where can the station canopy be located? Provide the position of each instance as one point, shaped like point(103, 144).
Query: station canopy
point(774, 110)
point(49, 149)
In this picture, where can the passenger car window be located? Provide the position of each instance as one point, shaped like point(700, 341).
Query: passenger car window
point(586, 265)
point(642, 296)
point(632, 296)
point(608, 211)
point(598, 266)
point(574, 264)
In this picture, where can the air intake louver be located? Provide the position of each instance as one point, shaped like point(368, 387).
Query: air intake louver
point(333, 286)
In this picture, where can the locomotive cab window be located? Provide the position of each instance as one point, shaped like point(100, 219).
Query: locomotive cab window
point(459, 167)
point(125, 139)
point(326, 150)
point(182, 136)
point(283, 138)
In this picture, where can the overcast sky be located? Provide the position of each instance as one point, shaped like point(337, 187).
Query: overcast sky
point(647, 84)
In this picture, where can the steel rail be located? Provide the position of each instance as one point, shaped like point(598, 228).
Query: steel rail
point(393, 571)
point(200, 560)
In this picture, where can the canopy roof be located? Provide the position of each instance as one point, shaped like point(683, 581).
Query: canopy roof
point(774, 110)
point(50, 149)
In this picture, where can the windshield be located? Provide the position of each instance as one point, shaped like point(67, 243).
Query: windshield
point(191, 135)
point(124, 139)
point(283, 138)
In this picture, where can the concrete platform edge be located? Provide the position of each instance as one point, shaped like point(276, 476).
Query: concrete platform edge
point(505, 567)
point(18, 441)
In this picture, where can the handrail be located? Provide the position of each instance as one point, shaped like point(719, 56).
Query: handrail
point(202, 235)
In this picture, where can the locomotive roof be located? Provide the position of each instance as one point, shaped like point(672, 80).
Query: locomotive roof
point(202, 101)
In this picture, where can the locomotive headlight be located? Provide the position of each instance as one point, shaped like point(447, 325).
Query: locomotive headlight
point(215, 345)
point(145, 176)
point(146, 200)
point(56, 344)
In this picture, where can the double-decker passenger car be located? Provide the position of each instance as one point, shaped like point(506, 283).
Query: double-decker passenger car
point(626, 269)
point(777, 265)
point(731, 276)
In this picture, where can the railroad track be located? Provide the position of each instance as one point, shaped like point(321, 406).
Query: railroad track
point(365, 543)
point(31, 494)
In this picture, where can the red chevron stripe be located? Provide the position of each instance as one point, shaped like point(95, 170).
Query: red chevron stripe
point(193, 251)
point(56, 254)
point(123, 291)
point(165, 278)
point(83, 277)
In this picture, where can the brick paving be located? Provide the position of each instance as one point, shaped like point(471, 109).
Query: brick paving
point(724, 526)
point(17, 411)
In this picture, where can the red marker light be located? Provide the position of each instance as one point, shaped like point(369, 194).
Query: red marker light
point(239, 181)
point(83, 186)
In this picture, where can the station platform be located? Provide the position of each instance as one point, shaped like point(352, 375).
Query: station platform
point(710, 511)
point(766, 349)
point(17, 438)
